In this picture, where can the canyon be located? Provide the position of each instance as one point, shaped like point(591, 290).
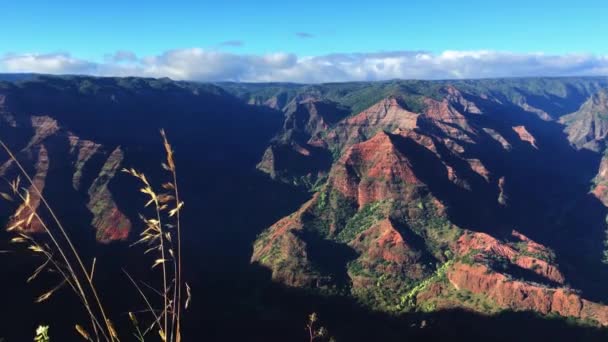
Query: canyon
point(404, 197)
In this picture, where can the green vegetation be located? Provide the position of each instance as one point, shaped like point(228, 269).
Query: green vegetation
point(427, 221)
point(522, 249)
point(342, 209)
point(408, 300)
point(393, 286)
point(572, 321)
point(359, 96)
point(363, 220)
point(384, 289)
point(605, 243)
point(451, 297)
point(309, 182)
point(316, 332)
point(322, 201)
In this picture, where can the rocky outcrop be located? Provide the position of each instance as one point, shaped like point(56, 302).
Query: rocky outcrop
point(311, 116)
point(387, 115)
point(281, 250)
point(383, 248)
point(291, 156)
point(51, 144)
point(84, 150)
point(44, 127)
point(518, 295)
point(110, 223)
point(600, 189)
point(524, 135)
point(454, 96)
point(477, 166)
point(499, 138)
point(483, 268)
point(448, 120)
point(373, 170)
point(588, 127)
point(521, 252)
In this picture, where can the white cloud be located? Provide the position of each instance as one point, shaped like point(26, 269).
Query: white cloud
point(57, 63)
point(212, 65)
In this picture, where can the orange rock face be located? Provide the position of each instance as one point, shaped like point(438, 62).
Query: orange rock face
point(448, 119)
point(110, 223)
point(443, 111)
point(510, 293)
point(601, 180)
point(384, 113)
point(479, 168)
point(383, 242)
point(44, 127)
point(84, 149)
point(455, 96)
point(284, 253)
point(524, 135)
point(483, 245)
point(518, 295)
point(373, 170)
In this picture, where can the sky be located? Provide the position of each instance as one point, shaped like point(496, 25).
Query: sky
point(310, 41)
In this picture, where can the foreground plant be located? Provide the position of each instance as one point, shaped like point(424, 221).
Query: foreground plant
point(58, 252)
point(42, 334)
point(60, 256)
point(316, 332)
point(163, 237)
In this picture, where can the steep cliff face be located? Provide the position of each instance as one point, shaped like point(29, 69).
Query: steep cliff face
point(85, 150)
point(372, 171)
point(588, 127)
point(65, 148)
point(75, 133)
point(110, 222)
point(524, 135)
point(368, 219)
point(519, 295)
point(388, 114)
point(292, 157)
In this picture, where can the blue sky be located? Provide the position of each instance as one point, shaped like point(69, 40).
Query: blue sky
point(90, 31)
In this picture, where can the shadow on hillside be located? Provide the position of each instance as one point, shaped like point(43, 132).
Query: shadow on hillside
point(548, 191)
point(546, 186)
point(329, 257)
point(266, 311)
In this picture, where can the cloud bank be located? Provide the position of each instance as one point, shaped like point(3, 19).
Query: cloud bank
point(209, 65)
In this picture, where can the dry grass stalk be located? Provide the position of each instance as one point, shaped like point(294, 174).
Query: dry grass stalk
point(61, 255)
point(162, 235)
